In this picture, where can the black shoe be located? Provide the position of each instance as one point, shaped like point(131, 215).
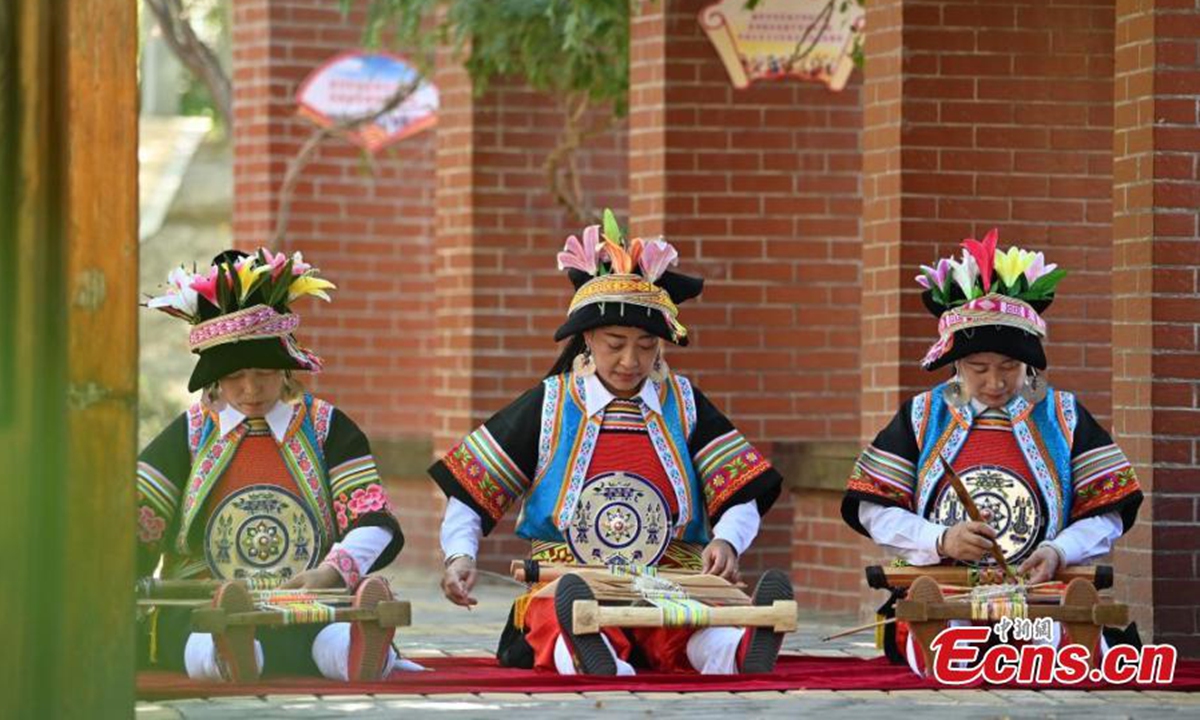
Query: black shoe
point(591, 655)
point(764, 642)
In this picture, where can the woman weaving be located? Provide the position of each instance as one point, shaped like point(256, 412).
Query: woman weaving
point(261, 482)
point(616, 460)
point(1052, 486)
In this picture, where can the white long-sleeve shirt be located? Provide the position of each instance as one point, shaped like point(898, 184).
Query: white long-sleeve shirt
point(914, 539)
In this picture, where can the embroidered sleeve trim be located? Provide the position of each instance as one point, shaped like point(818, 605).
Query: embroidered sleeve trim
point(357, 491)
point(345, 565)
point(726, 465)
point(885, 475)
point(156, 490)
point(352, 474)
point(151, 526)
point(486, 472)
point(1106, 491)
point(1102, 477)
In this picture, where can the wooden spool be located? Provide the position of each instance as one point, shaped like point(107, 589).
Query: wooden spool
point(589, 616)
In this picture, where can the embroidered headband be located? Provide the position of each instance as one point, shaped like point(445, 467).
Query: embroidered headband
point(993, 309)
point(253, 323)
point(629, 289)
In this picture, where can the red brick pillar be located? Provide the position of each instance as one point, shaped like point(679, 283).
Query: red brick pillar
point(977, 115)
point(982, 115)
point(1156, 368)
point(499, 295)
point(759, 191)
point(372, 236)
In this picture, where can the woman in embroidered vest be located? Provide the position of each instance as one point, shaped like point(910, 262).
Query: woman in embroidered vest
point(261, 481)
point(1054, 488)
point(617, 460)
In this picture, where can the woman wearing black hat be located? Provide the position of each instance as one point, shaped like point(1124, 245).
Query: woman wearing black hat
point(615, 460)
point(1053, 487)
point(260, 481)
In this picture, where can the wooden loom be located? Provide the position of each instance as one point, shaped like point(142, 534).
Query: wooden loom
point(1073, 599)
point(254, 607)
point(619, 603)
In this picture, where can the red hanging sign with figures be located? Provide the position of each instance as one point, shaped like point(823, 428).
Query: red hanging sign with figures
point(813, 40)
point(359, 84)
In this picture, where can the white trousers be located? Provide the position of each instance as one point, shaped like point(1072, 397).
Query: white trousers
point(330, 651)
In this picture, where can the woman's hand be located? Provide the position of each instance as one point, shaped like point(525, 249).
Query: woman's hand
point(459, 580)
point(720, 559)
point(1041, 565)
point(968, 541)
point(319, 578)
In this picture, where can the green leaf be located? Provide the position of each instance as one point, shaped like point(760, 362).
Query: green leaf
point(236, 292)
point(1045, 284)
point(223, 301)
point(612, 231)
point(560, 47)
point(279, 292)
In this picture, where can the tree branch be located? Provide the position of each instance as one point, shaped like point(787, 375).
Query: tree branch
point(562, 167)
point(319, 135)
point(198, 57)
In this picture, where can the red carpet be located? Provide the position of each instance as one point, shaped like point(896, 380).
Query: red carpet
point(458, 675)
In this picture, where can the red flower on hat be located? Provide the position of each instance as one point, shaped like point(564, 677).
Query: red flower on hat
point(985, 255)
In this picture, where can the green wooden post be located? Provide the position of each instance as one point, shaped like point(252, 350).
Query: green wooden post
point(68, 357)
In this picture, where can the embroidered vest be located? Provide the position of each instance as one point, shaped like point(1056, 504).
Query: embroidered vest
point(303, 455)
point(567, 440)
point(1043, 432)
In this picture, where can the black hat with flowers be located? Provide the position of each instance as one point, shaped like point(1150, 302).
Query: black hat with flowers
point(989, 301)
point(624, 282)
point(240, 312)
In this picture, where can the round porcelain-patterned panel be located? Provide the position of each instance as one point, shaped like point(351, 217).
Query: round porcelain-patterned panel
point(1017, 514)
point(261, 531)
point(620, 519)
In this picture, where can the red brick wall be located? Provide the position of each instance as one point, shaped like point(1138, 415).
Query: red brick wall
point(1007, 122)
point(759, 191)
point(1157, 266)
point(369, 235)
point(1133, 272)
point(500, 295)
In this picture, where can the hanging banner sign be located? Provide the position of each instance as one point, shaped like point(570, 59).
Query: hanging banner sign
point(813, 40)
point(358, 84)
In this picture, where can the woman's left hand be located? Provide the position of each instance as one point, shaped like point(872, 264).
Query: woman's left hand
point(1041, 565)
point(720, 559)
point(321, 577)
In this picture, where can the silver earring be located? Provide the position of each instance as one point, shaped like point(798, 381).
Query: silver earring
point(1034, 390)
point(660, 370)
point(583, 364)
point(955, 393)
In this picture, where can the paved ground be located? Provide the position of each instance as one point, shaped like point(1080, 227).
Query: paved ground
point(442, 629)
